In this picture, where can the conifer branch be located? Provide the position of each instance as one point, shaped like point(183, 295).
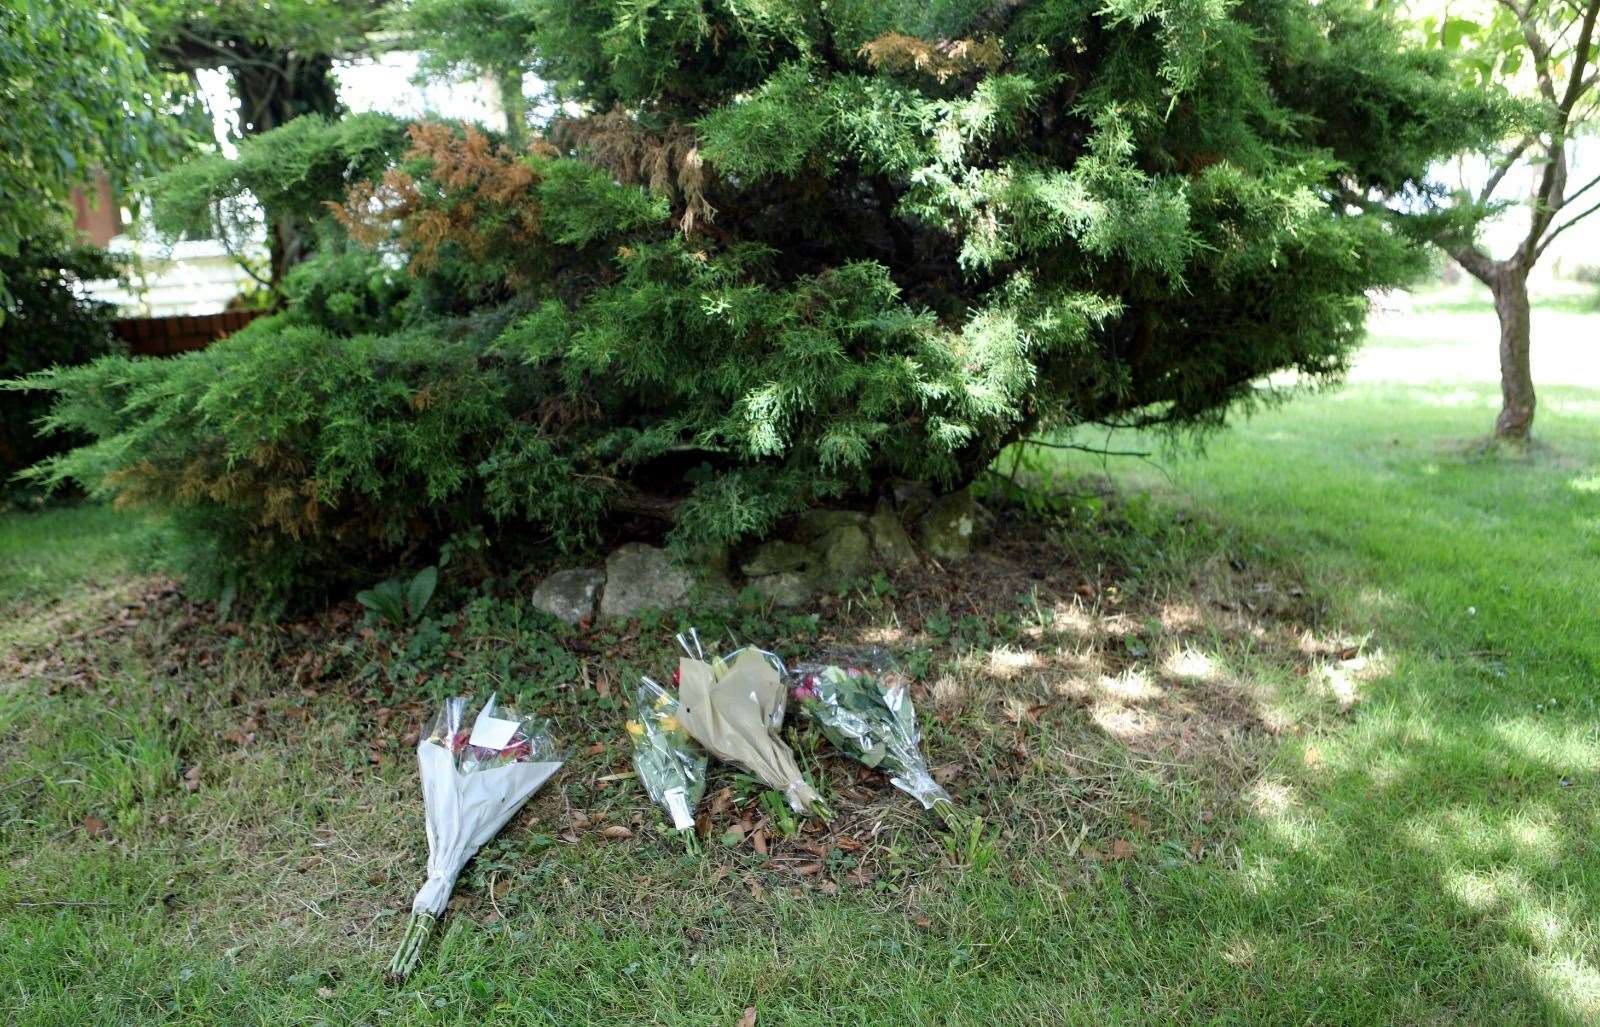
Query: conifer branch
point(1097, 451)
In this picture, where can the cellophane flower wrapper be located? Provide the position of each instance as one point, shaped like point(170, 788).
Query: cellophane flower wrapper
point(862, 704)
point(734, 706)
point(690, 643)
point(477, 772)
point(670, 765)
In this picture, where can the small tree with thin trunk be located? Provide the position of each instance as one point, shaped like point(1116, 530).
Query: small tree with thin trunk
point(281, 58)
point(1549, 47)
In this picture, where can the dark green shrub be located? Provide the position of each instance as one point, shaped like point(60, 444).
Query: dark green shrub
point(798, 251)
point(292, 460)
point(349, 291)
point(46, 322)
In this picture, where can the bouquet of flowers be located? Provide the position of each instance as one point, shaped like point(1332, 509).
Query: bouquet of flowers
point(670, 765)
point(864, 708)
point(733, 706)
point(473, 781)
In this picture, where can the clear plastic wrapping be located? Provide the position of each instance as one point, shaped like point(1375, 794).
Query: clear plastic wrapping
point(670, 765)
point(862, 704)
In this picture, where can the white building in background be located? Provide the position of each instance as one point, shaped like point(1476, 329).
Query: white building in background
point(200, 276)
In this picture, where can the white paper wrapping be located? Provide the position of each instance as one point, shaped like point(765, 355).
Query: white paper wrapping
point(466, 806)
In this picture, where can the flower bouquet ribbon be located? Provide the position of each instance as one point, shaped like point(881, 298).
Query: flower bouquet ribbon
point(473, 782)
point(866, 712)
point(670, 765)
point(733, 707)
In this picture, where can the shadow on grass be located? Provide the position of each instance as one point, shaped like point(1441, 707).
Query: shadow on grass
point(1209, 804)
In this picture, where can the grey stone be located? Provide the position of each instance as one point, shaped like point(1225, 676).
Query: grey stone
point(789, 588)
point(570, 595)
point(846, 552)
point(713, 591)
point(815, 524)
point(709, 563)
point(777, 557)
point(952, 525)
point(890, 540)
point(641, 577)
point(912, 499)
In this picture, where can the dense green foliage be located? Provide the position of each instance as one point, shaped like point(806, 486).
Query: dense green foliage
point(296, 172)
point(789, 254)
point(46, 322)
point(77, 91)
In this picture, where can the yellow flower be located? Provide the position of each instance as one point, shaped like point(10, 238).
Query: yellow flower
point(669, 723)
point(664, 701)
point(635, 729)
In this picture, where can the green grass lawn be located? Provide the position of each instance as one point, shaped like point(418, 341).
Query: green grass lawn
point(1436, 858)
point(1322, 748)
point(45, 555)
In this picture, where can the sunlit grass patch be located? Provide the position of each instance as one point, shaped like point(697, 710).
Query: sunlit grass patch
point(1288, 732)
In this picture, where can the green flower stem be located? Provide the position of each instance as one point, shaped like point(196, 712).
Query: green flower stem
point(405, 958)
point(951, 815)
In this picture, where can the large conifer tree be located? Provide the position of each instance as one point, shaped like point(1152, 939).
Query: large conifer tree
point(908, 232)
point(779, 253)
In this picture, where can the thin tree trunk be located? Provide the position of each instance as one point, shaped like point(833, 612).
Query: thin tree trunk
point(1517, 401)
point(273, 88)
point(515, 107)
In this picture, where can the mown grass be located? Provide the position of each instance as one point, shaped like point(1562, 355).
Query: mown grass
point(1469, 296)
point(1444, 841)
point(41, 555)
point(1317, 743)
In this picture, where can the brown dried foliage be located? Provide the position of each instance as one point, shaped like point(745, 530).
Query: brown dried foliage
point(665, 162)
point(275, 482)
point(942, 58)
point(476, 195)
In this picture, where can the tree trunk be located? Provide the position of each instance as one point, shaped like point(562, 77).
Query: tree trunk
point(274, 87)
point(1510, 289)
point(515, 107)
